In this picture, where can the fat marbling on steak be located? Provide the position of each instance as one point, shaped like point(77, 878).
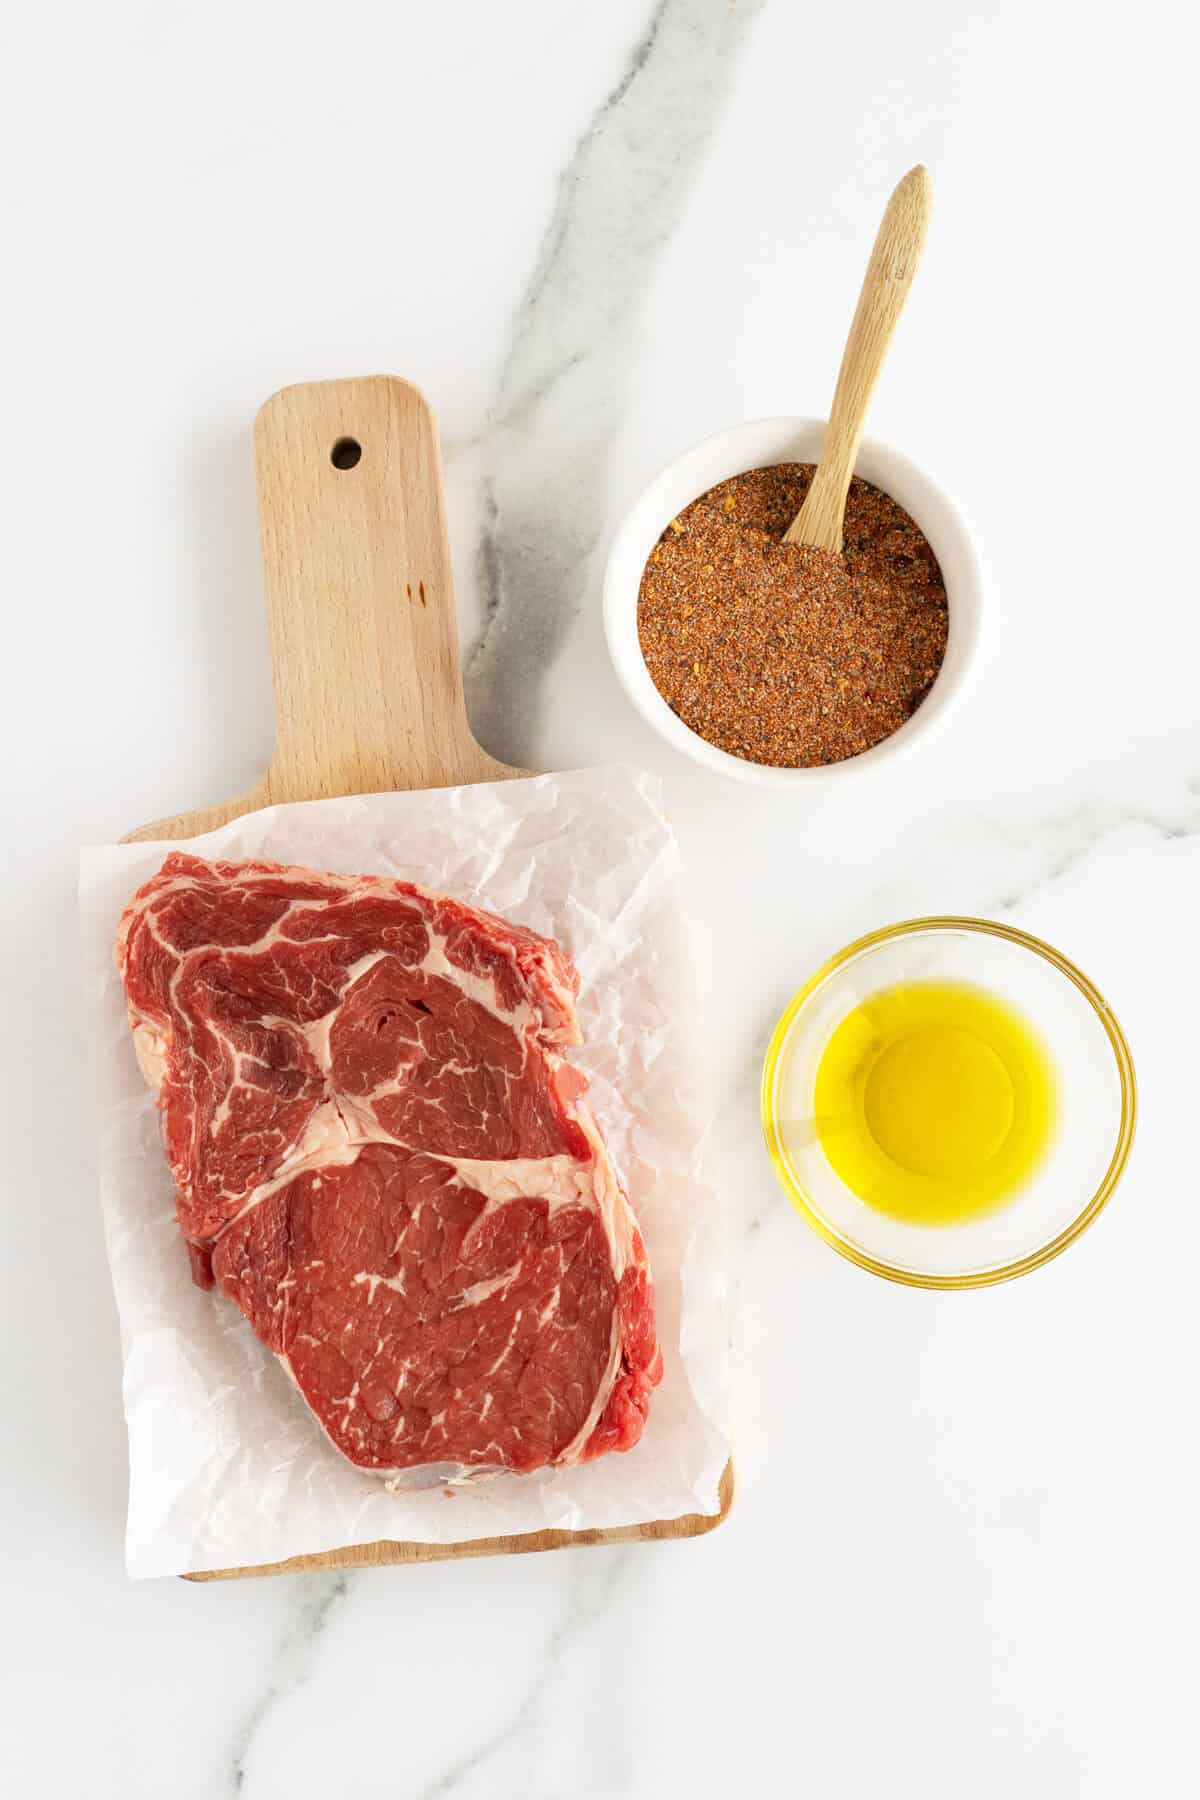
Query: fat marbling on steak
point(382, 1157)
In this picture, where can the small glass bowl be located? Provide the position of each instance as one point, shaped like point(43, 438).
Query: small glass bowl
point(1094, 1131)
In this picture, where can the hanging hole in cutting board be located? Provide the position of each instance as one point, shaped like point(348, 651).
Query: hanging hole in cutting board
point(345, 453)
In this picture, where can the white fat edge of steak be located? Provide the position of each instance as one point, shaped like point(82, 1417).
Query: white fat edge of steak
point(150, 1048)
point(619, 1227)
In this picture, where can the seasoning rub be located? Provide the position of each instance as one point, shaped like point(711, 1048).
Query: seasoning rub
point(779, 653)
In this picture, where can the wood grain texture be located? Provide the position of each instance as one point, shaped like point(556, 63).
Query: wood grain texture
point(368, 699)
point(894, 259)
point(360, 604)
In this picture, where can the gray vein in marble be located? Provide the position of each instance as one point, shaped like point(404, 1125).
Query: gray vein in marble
point(595, 1576)
point(558, 397)
point(320, 1596)
point(1084, 831)
point(1011, 863)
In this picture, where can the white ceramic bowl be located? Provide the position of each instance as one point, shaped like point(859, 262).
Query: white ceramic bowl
point(757, 445)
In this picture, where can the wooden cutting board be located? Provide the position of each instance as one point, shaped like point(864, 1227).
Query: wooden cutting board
point(368, 698)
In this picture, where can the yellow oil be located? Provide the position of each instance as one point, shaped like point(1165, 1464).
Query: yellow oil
point(935, 1101)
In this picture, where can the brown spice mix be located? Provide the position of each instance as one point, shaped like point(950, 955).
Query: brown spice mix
point(779, 653)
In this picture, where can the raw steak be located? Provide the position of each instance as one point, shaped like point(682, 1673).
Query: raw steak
point(383, 1159)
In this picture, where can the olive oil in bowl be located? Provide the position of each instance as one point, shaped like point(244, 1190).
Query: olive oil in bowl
point(948, 1102)
point(935, 1101)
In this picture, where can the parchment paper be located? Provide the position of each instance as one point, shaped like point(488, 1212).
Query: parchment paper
point(227, 1466)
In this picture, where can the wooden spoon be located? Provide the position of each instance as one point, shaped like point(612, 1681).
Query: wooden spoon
point(893, 264)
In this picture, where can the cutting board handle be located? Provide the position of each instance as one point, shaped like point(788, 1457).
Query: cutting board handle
point(360, 600)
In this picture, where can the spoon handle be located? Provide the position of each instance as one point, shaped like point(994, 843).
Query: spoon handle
point(898, 246)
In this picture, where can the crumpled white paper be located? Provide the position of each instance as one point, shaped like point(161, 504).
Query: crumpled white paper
point(227, 1465)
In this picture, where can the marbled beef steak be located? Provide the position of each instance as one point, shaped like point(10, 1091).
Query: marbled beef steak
point(384, 1160)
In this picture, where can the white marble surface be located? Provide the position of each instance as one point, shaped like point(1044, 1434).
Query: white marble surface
point(964, 1555)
